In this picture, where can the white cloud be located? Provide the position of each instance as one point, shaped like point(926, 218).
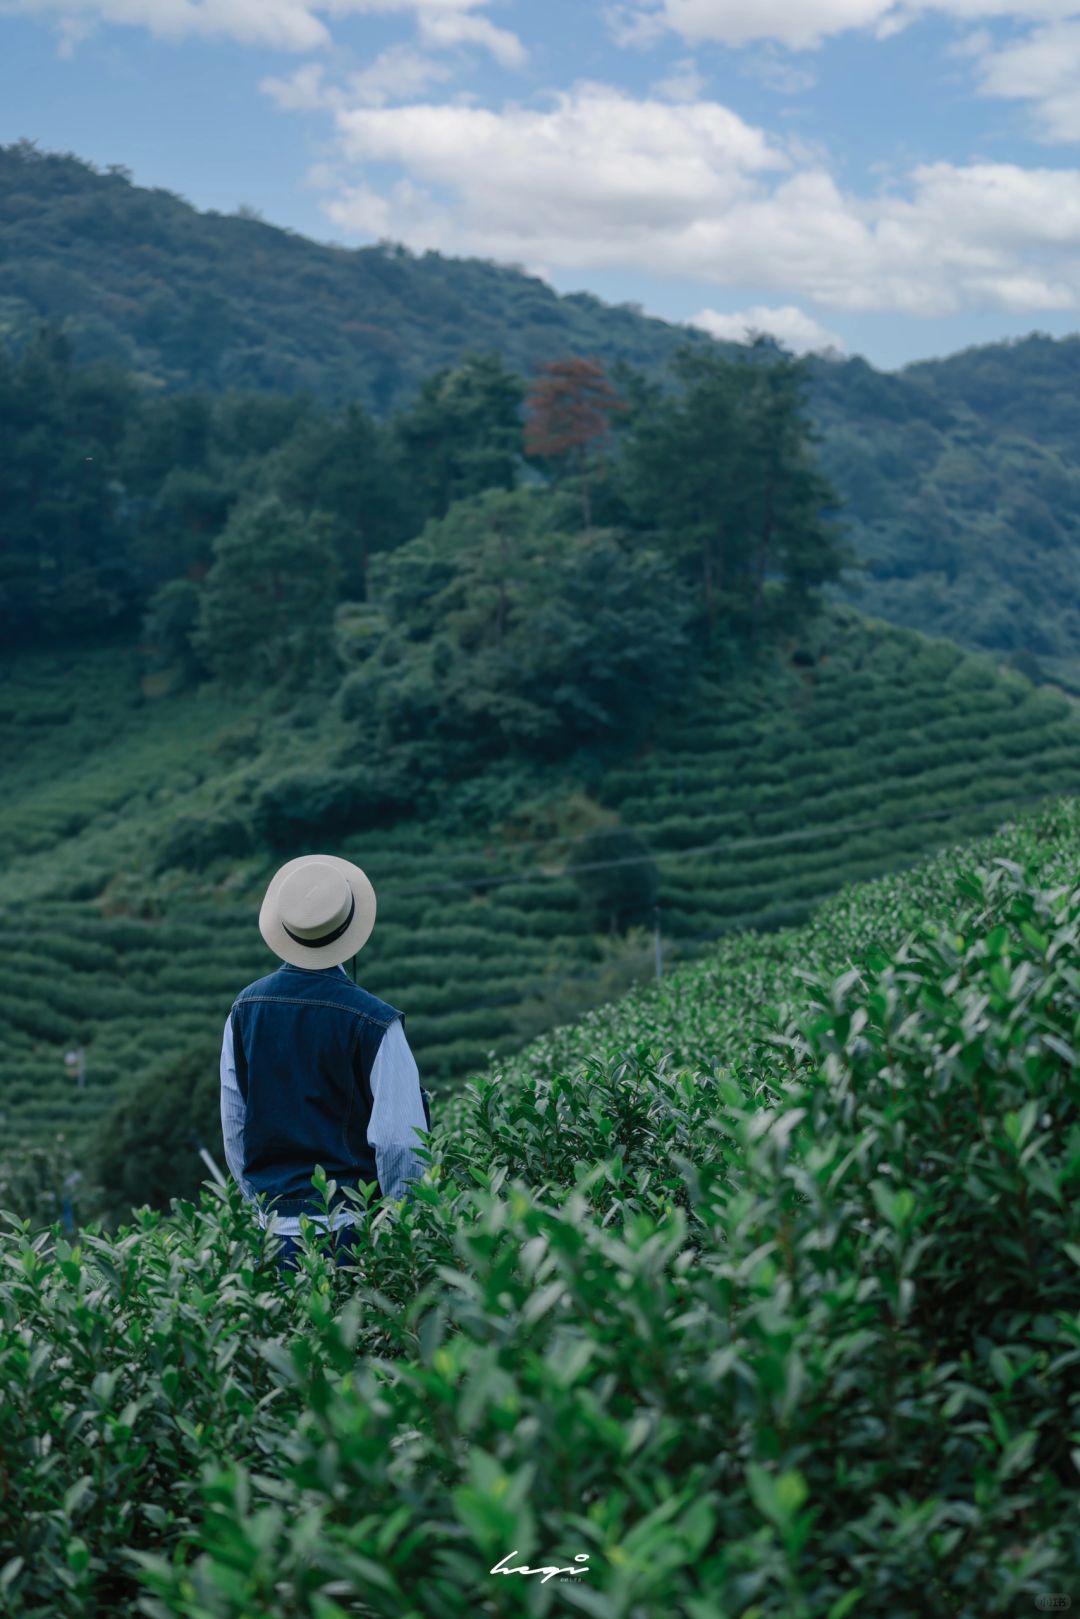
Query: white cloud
point(395, 74)
point(72, 31)
point(634, 26)
point(1043, 68)
point(442, 26)
point(689, 190)
point(323, 177)
point(682, 83)
point(797, 331)
point(799, 24)
point(805, 24)
point(598, 161)
point(291, 25)
point(975, 44)
point(302, 91)
point(776, 74)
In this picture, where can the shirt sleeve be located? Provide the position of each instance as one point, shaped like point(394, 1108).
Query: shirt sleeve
point(397, 1114)
point(232, 1111)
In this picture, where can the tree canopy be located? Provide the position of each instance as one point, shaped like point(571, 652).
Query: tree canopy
point(721, 474)
point(506, 628)
point(266, 611)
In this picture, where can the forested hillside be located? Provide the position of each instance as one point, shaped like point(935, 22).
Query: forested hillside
point(960, 478)
point(1026, 386)
point(184, 298)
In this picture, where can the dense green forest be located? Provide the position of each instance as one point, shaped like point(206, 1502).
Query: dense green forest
point(961, 481)
point(754, 1295)
point(244, 520)
point(959, 478)
point(184, 298)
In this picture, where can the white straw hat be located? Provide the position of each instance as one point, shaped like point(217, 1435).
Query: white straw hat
point(319, 910)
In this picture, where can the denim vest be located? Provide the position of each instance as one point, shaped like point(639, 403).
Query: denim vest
point(305, 1042)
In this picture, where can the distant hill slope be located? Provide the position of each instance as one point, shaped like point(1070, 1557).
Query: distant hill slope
point(871, 748)
point(183, 297)
point(1026, 386)
point(961, 477)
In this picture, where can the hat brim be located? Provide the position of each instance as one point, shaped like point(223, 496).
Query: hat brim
point(353, 939)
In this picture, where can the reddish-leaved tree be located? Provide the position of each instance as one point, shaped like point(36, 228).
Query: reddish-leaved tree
point(569, 408)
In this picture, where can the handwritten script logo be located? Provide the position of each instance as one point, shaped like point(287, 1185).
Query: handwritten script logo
point(545, 1570)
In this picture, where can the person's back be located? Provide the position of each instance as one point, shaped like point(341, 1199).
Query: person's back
point(314, 1069)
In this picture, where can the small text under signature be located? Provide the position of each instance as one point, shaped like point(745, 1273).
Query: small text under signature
point(546, 1570)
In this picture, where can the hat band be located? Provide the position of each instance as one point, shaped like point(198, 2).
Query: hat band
point(328, 938)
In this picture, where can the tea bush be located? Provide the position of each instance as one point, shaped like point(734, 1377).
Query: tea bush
point(756, 1292)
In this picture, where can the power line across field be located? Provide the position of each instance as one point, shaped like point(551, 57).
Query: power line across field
point(721, 846)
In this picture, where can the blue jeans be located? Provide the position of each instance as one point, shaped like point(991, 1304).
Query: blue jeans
point(345, 1240)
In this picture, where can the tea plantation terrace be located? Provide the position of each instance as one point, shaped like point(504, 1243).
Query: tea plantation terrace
point(877, 746)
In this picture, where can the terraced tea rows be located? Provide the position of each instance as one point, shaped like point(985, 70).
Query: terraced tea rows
point(769, 795)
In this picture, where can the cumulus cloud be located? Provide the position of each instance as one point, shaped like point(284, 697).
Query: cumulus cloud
point(597, 163)
point(804, 24)
point(976, 44)
point(291, 25)
point(689, 189)
point(799, 24)
point(441, 26)
point(775, 73)
point(282, 24)
point(1043, 68)
point(797, 331)
point(394, 75)
point(305, 90)
point(682, 83)
point(633, 25)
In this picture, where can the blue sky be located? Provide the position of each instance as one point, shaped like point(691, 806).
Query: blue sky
point(894, 178)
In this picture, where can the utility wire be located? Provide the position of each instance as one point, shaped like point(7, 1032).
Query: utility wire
point(743, 924)
point(827, 829)
point(738, 924)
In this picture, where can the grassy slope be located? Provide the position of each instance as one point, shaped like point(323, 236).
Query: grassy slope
point(787, 767)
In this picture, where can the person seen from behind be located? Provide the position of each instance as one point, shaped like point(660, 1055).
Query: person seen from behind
point(314, 1069)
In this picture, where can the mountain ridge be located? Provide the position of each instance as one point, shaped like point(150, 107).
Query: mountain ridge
point(960, 476)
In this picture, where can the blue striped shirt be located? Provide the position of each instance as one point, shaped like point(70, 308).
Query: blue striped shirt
point(396, 1115)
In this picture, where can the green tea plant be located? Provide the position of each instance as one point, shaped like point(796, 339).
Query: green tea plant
point(754, 1294)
